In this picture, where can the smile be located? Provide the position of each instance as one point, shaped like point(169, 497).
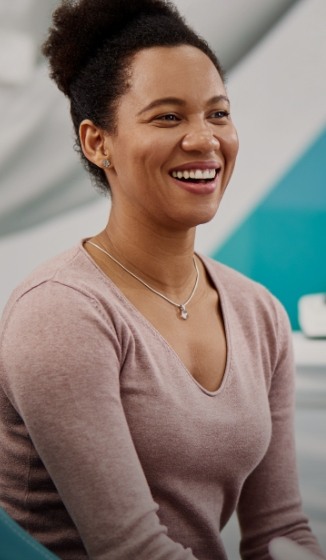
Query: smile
point(195, 175)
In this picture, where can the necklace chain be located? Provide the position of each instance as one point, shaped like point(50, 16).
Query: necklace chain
point(181, 306)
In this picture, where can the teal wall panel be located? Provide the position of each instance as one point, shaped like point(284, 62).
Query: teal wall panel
point(282, 242)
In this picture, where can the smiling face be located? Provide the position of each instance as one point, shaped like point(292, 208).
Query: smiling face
point(175, 145)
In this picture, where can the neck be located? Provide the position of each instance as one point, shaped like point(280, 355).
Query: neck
point(160, 258)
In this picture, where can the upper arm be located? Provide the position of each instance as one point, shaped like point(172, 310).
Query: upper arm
point(62, 362)
point(270, 501)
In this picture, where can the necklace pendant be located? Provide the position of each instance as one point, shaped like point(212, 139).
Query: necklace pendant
point(183, 312)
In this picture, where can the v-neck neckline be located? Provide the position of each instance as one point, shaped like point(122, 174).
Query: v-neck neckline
point(148, 324)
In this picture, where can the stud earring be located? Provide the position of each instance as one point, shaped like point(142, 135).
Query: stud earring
point(106, 163)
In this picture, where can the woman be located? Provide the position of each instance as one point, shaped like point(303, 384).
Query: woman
point(147, 391)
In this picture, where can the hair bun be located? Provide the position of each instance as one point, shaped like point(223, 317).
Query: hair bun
point(80, 27)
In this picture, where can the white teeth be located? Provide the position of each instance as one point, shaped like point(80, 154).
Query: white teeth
point(199, 174)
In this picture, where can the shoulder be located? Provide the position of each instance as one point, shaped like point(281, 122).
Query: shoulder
point(242, 291)
point(233, 278)
point(68, 285)
point(72, 269)
point(250, 307)
point(60, 311)
point(257, 323)
point(44, 273)
point(68, 298)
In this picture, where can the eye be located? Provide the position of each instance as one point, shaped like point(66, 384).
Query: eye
point(167, 118)
point(219, 115)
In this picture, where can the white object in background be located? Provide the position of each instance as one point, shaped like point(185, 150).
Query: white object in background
point(309, 353)
point(312, 315)
point(283, 548)
point(17, 56)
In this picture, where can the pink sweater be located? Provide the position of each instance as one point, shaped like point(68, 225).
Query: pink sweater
point(108, 444)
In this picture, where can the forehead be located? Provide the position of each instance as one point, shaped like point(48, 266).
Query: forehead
point(183, 71)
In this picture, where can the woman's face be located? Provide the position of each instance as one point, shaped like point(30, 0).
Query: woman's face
point(175, 145)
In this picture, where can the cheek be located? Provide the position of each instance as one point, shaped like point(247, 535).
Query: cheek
point(143, 151)
point(139, 167)
point(152, 153)
point(232, 145)
point(230, 148)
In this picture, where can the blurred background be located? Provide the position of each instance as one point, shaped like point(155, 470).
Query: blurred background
point(272, 222)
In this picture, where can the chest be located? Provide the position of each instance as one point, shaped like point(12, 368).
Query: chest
point(180, 429)
point(199, 341)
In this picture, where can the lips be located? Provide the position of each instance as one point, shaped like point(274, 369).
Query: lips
point(197, 177)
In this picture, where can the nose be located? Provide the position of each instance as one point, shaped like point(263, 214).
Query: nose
point(201, 140)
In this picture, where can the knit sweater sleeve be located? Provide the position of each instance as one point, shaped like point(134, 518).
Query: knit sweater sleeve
point(270, 503)
point(61, 358)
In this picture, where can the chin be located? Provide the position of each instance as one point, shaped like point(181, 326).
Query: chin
point(205, 215)
point(199, 218)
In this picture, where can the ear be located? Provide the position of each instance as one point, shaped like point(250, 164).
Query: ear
point(94, 142)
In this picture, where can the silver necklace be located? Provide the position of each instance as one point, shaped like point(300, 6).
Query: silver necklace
point(181, 306)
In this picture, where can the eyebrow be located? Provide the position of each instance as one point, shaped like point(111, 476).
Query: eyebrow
point(180, 102)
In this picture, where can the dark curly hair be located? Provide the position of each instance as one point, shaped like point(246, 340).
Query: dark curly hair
point(90, 50)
